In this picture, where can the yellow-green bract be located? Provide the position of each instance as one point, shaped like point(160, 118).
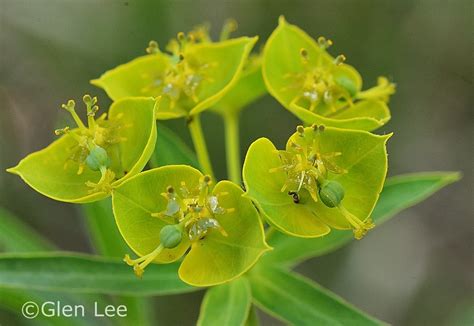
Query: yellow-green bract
point(56, 172)
point(318, 88)
point(246, 90)
point(355, 159)
point(219, 255)
point(200, 75)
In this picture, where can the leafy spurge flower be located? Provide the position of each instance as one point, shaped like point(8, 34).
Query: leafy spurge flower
point(191, 75)
point(88, 161)
point(326, 177)
point(318, 88)
point(174, 210)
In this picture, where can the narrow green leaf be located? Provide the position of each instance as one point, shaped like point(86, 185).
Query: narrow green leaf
point(399, 193)
point(77, 273)
point(171, 150)
point(14, 299)
point(300, 301)
point(15, 236)
point(139, 310)
point(227, 304)
point(107, 241)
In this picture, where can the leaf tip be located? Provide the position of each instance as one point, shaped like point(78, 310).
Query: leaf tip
point(254, 39)
point(387, 136)
point(13, 170)
point(97, 82)
point(281, 20)
point(453, 176)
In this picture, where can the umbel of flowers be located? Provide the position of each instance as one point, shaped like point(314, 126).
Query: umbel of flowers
point(328, 176)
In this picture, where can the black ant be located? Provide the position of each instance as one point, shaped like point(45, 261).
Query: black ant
point(294, 194)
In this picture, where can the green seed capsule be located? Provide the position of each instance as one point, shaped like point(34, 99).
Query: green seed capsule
point(347, 83)
point(170, 236)
point(97, 158)
point(331, 193)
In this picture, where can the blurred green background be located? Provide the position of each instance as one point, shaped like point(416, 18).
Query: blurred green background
point(416, 269)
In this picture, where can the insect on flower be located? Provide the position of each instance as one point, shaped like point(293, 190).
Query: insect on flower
point(325, 177)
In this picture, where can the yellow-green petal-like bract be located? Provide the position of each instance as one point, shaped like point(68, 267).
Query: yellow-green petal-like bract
point(304, 78)
point(219, 65)
point(52, 172)
point(361, 158)
point(214, 259)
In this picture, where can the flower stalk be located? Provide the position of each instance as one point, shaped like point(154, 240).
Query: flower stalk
point(232, 147)
point(195, 129)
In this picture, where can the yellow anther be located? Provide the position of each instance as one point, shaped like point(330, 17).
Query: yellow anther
point(300, 130)
point(181, 37)
point(105, 182)
point(229, 26)
point(304, 54)
point(128, 260)
point(360, 228)
point(324, 43)
point(340, 59)
point(70, 107)
point(62, 131)
point(153, 47)
point(205, 181)
point(141, 263)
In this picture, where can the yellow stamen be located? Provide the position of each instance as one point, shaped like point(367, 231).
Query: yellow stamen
point(360, 228)
point(70, 107)
point(141, 263)
point(229, 26)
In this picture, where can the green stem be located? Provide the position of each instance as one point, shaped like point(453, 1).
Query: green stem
point(232, 147)
point(194, 125)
